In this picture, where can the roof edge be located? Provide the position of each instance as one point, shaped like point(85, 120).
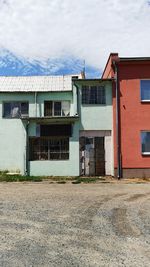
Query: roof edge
point(110, 56)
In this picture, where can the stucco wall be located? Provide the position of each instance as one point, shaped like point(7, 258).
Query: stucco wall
point(96, 117)
point(62, 167)
point(13, 133)
point(13, 137)
point(12, 146)
point(134, 115)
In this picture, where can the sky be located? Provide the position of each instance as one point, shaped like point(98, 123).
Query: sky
point(57, 36)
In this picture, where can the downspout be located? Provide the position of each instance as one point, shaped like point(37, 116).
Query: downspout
point(77, 99)
point(35, 100)
point(118, 128)
point(27, 149)
point(77, 96)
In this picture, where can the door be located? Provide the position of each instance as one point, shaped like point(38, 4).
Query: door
point(92, 156)
point(99, 156)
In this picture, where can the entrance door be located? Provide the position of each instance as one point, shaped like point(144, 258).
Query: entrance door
point(92, 156)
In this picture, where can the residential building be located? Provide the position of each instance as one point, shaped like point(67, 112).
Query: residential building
point(131, 114)
point(95, 130)
point(56, 125)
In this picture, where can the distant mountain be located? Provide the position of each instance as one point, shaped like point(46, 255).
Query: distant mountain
point(11, 65)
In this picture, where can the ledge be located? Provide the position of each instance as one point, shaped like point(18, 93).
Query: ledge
point(145, 101)
point(52, 119)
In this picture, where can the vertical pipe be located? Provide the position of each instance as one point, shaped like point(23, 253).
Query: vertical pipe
point(27, 148)
point(119, 165)
point(76, 98)
point(35, 100)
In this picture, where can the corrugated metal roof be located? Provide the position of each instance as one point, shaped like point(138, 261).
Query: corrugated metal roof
point(36, 83)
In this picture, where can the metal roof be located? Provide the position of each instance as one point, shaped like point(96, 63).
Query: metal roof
point(134, 58)
point(36, 83)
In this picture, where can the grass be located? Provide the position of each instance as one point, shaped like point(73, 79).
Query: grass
point(6, 177)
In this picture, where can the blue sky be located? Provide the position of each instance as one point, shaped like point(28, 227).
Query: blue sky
point(56, 36)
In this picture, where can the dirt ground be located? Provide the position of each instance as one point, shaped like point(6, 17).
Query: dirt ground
point(43, 224)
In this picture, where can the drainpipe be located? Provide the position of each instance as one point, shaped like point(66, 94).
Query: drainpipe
point(77, 98)
point(35, 101)
point(119, 158)
point(27, 149)
point(77, 95)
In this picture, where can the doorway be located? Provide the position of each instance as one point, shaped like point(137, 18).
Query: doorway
point(92, 156)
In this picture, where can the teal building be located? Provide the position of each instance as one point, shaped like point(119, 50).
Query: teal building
point(56, 126)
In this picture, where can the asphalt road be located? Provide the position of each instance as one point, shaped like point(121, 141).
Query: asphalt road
point(43, 224)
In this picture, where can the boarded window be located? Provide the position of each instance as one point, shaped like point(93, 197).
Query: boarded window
point(56, 130)
point(93, 95)
point(49, 148)
point(15, 109)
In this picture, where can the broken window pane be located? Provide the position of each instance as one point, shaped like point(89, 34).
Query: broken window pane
point(65, 108)
point(16, 109)
point(56, 108)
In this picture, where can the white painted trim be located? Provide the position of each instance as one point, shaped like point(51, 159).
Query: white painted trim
point(95, 133)
point(108, 155)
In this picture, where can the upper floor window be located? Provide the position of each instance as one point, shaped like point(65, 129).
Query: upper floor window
point(93, 95)
point(145, 140)
point(56, 108)
point(15, 109)
point(145, 90)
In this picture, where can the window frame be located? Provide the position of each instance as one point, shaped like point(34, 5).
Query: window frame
point(142, 152)
point(53, 108)
point(11, 103)
point(88, 88)
point(50, 151)
point(143, 100)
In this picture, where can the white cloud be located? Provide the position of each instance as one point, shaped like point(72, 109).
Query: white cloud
point(86, 29)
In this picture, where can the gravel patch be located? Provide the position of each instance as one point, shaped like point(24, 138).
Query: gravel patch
point(74, 225)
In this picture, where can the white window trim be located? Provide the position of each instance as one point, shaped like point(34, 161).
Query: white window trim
point(145, 153)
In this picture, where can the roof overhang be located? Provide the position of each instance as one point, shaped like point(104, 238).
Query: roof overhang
point(54, 120)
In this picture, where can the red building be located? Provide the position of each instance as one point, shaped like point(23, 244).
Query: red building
point(131, 111)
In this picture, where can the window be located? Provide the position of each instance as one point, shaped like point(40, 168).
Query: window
point(49, 148)
point(145, 90)
point(15, 109)
point(145, 140)
point(93, 95)
point(56, 108)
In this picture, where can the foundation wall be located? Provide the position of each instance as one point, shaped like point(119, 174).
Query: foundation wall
point(134, 173)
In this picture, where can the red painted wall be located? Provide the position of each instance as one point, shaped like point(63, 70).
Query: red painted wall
point(108, 71)
point(134, 115)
